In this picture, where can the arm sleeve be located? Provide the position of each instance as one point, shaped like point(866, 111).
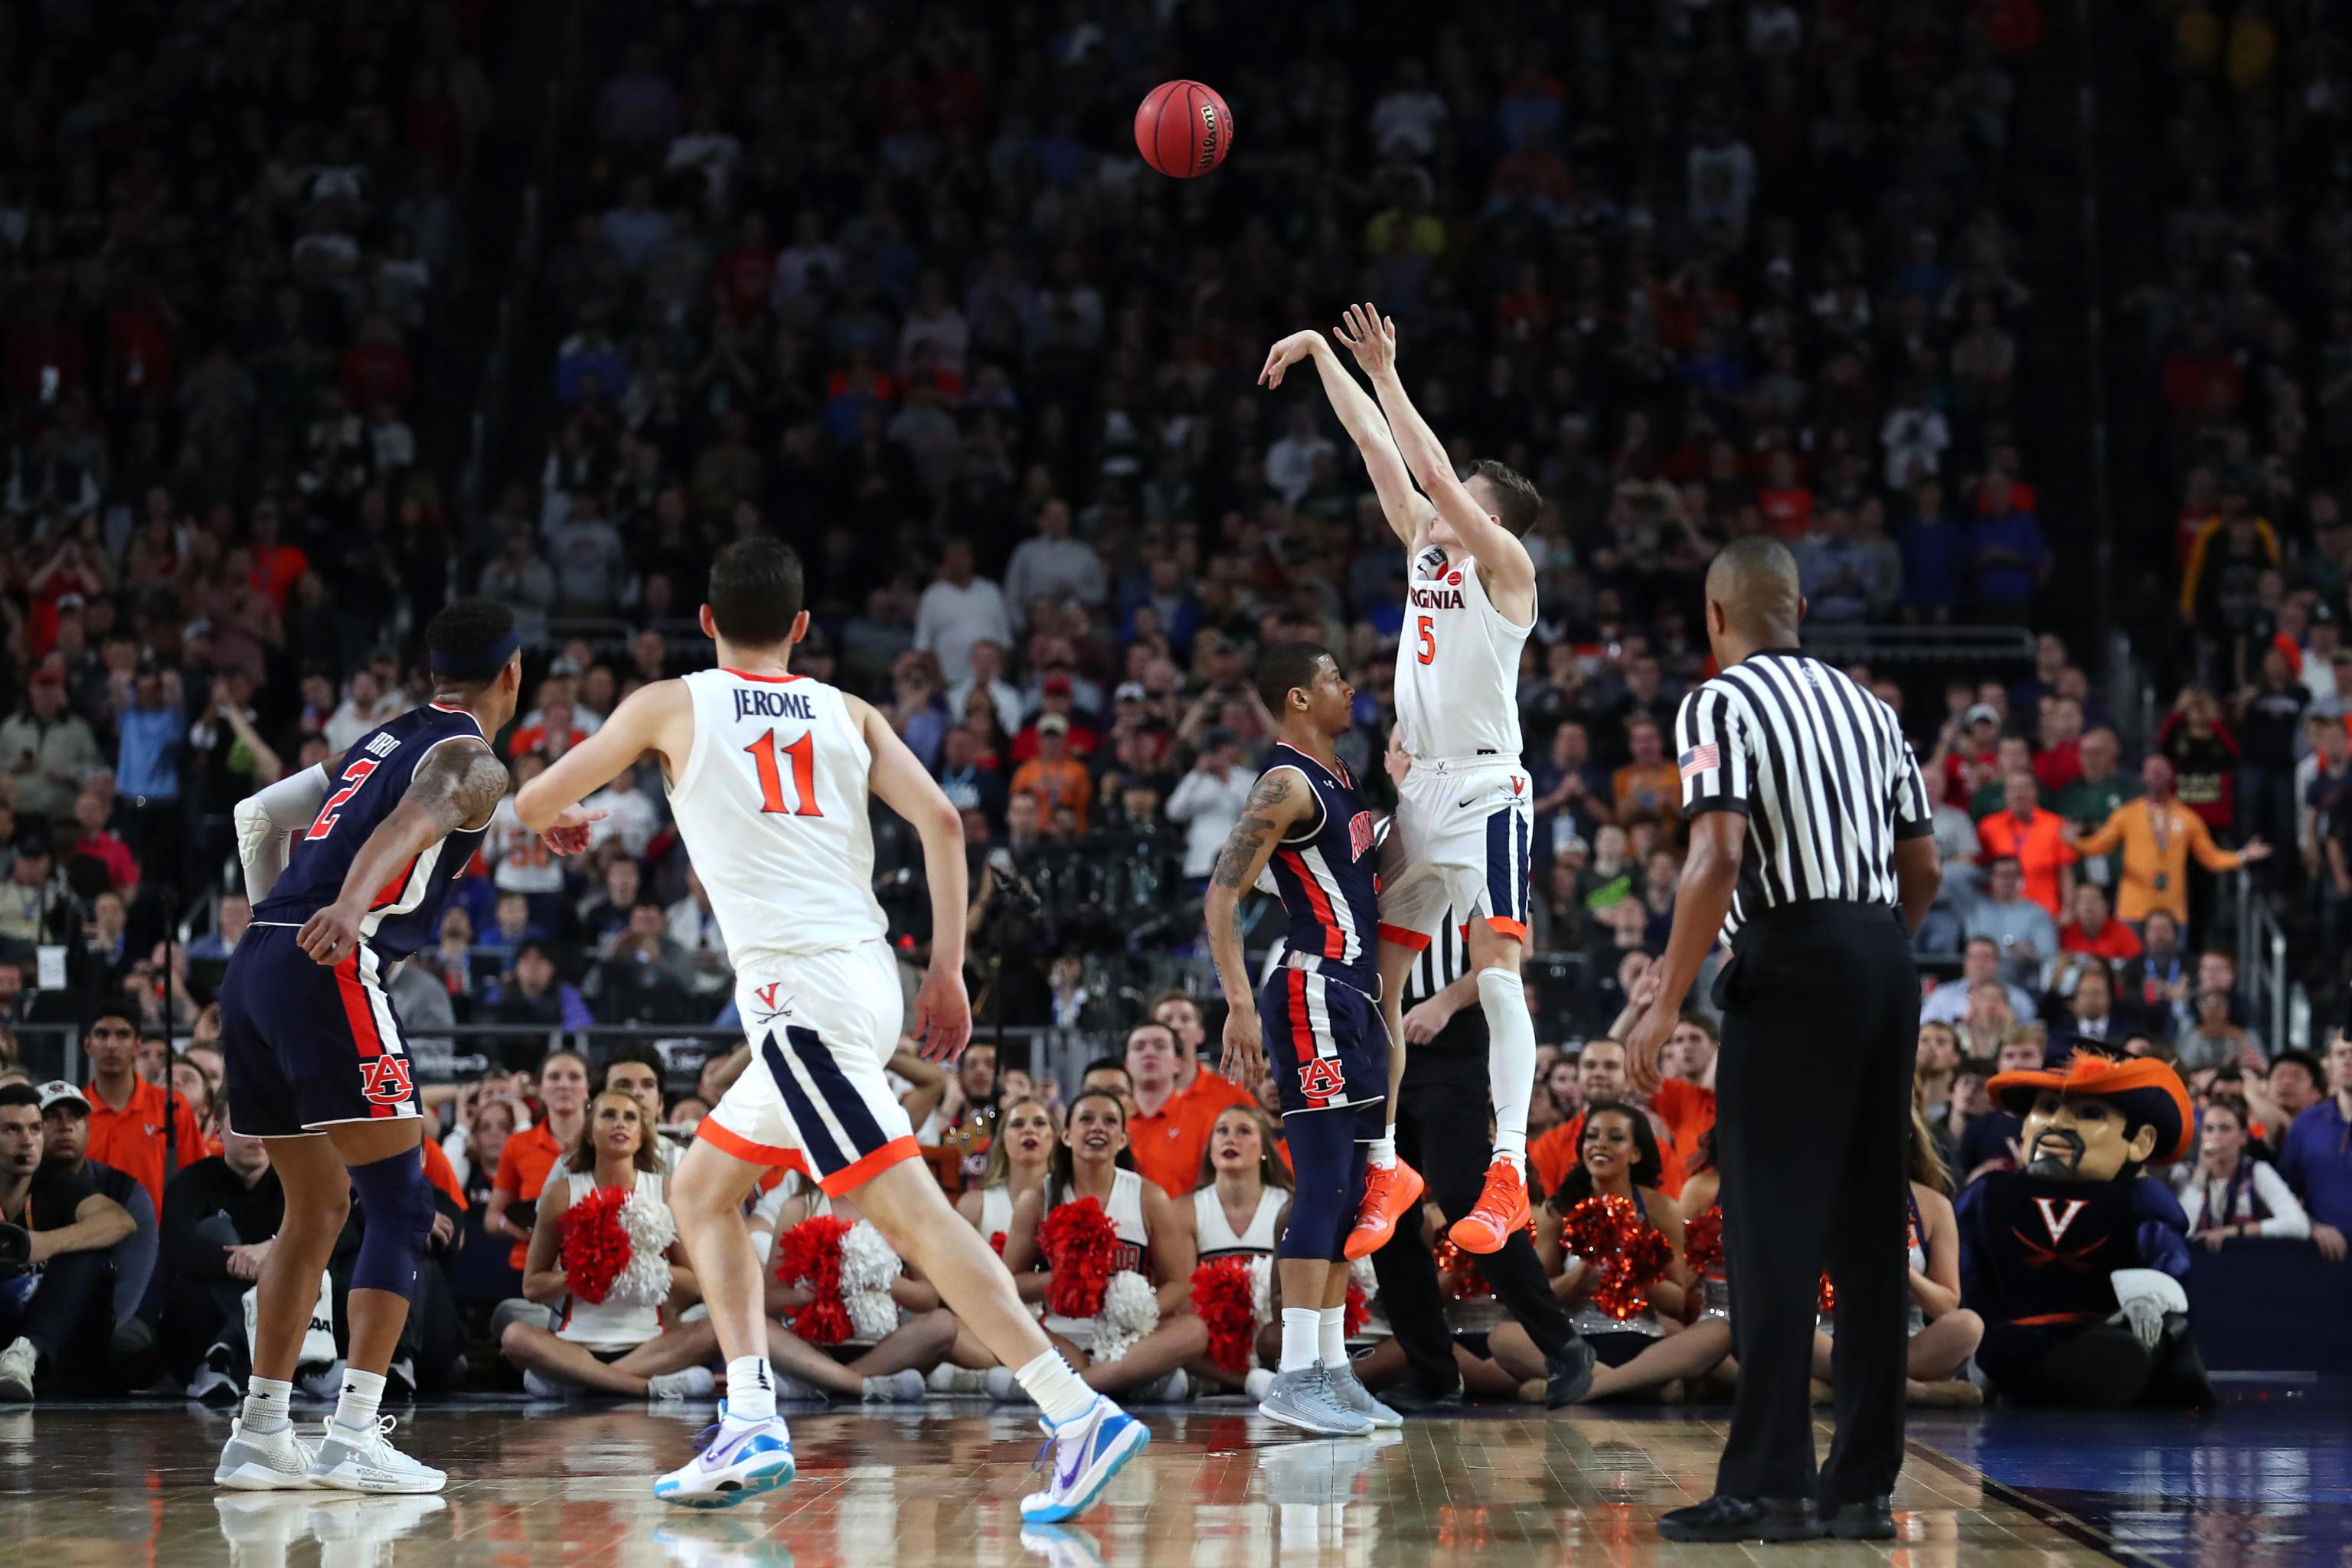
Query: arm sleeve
point(2287, 1217)
point(265, 818)
point(1711, 748)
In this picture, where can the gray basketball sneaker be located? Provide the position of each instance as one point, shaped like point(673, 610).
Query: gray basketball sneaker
point(1349, 1391)
point(1305, 1399)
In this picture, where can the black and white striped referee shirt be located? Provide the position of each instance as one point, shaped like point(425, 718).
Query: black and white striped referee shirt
point(1445, 960)
point(1820, 770)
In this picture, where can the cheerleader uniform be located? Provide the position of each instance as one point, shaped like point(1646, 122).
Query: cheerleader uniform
point(1714, 1290)
point(608, 1329)
point(1124, 1209)
point(1216, 1236)
point(1617, 1340)
point(1918, 1249)
point(995, 1211)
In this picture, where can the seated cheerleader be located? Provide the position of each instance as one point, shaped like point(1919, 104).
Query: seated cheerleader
point(1148, 1236)
point(1017, 1158)
point(884, 1361)
point(1239, 1211)
point(1944, 1334)
point(610, 1336)
point(1702, 1210)
point(1630, 1309)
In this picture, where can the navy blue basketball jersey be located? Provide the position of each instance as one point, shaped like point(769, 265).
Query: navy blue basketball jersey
point(373, 775)
point(1324, 873)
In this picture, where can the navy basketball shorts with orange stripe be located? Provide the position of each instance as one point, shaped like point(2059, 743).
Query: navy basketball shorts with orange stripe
point(1460, 840)
point(305, 1046)
point(815, 1097)
point(1327, 1047)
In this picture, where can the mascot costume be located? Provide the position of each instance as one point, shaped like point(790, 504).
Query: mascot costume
point(2076, 1260)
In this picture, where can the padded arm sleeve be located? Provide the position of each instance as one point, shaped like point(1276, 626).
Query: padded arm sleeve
point(266, 818)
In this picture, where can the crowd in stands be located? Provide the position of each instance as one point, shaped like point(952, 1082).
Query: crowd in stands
point(907, 298)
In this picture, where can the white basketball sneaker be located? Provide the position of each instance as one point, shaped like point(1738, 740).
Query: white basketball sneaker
point(365, 1461)
point(264, 1461)
point(1079, 1459)
point(741, 1460)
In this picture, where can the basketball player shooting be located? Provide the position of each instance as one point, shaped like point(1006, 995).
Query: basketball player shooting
point(768, 775)
point(1464, 820)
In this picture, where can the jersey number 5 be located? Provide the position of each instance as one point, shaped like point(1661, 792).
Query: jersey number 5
point(1428, 653)
point(354, 776)
point(802, 753)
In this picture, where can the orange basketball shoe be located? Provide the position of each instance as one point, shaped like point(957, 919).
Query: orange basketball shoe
point(1390, 1192)
point(1501, 1209)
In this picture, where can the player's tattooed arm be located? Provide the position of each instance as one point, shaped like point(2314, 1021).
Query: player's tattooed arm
point(458, 785)
point(1273, 806)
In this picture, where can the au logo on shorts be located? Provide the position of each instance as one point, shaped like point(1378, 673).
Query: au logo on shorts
point(385, 1080)
point(1319, 1079)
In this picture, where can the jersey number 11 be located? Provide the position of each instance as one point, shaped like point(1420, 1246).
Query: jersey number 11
point(802, 753)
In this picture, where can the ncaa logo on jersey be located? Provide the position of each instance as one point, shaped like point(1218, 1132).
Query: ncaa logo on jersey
point(1319, 1079)
point(1359, 835)
point(385, 1082)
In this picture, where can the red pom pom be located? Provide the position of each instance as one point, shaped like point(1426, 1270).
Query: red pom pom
point(1079, 1244)
point(1223, 1299)
point(1828, 1299)
point(1703, 1243)
point(1625, 1254)
point(1460, 1267)
point(810, 1255)
point(595, 1248)
point(996, 1240)
point(1357, 1312)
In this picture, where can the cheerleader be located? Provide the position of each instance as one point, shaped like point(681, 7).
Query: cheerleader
point(1017, 1160)
point(891, 1367)
point(1239, 1210)
point(1944, 1334)
point(1151, 1238)
point(619, 1345)
point(1618, 1157)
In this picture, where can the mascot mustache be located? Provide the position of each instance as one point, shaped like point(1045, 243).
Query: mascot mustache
point(2065, 1155)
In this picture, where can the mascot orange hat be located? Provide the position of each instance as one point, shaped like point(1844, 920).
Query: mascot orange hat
point(2143, 1087)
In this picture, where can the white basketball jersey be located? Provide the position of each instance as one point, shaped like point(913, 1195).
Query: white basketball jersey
point(773, 805)
point(1457, 685)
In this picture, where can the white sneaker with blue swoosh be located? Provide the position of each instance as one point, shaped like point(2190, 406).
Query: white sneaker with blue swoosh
point(741, 1460)
point(1079, 1459)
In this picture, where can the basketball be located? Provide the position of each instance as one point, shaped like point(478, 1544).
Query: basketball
point(1183, 129)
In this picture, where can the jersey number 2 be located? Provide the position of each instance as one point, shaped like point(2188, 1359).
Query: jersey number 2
point(802, 753)
point(1428, 653)
point(354, 776)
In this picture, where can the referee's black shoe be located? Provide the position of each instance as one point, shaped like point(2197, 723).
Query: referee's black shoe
point(1743, 1518)
point(1568, 1375)
point(1869, 1518)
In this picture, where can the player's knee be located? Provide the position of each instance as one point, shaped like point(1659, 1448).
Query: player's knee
point(397, 1202)
point(323, 1207)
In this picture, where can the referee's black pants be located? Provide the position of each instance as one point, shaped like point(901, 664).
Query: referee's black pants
point(1820, 1025)
point(1443, 1110)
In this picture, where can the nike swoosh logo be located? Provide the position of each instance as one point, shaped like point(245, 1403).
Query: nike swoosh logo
point(1070, 1476)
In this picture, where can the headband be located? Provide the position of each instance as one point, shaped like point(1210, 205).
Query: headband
point(480, 665)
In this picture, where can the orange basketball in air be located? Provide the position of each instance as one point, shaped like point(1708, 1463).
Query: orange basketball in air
point(1183, 129)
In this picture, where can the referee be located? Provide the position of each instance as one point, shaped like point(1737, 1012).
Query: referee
point(1811, 852)
point(1444, 1131)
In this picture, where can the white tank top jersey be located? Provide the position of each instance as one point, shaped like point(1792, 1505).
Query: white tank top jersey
point(1212, 1233)
point(1457, 680)
point(995, 1210)
point(773, 805)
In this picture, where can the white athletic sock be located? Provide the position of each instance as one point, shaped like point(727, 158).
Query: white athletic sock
point(265, 1405)
point(1382, 1150)
point(1060, 1393)
point(363, 1391)
point(1301, 1346)
point(1510, 1058)
point(750, 1389)
point(1332, 1324)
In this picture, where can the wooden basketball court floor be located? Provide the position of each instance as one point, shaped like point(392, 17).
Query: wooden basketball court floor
point(128, 1486)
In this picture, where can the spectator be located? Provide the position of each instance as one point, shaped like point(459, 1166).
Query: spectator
point(1980, 964)
point(959, 610)
point(2158, 979)
point(2230, 1193)
point(2292, 1087)
point(65, 1143)
point(1209, 801)
point(630, 814)
point(2036, 840)
point(2157, 835)
point(136, 1127)
point(1053, 778)
point(1170, 1125)
point(985, 672)
point(2317, 1160)
point(532, 994)
point(1991, 1141)
point(228, 1209)
point(1649, 787)
point(2023, 928)
point(1052, 567)
point(48, 1330)
point(49, 750)
point(531, 1154)
point(2090, 931)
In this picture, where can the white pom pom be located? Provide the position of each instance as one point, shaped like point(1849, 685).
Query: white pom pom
point(646, 1281)
point(1130, 1310)
point(1261, 1270)
point(868, 1266)
point(1362, 1275)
